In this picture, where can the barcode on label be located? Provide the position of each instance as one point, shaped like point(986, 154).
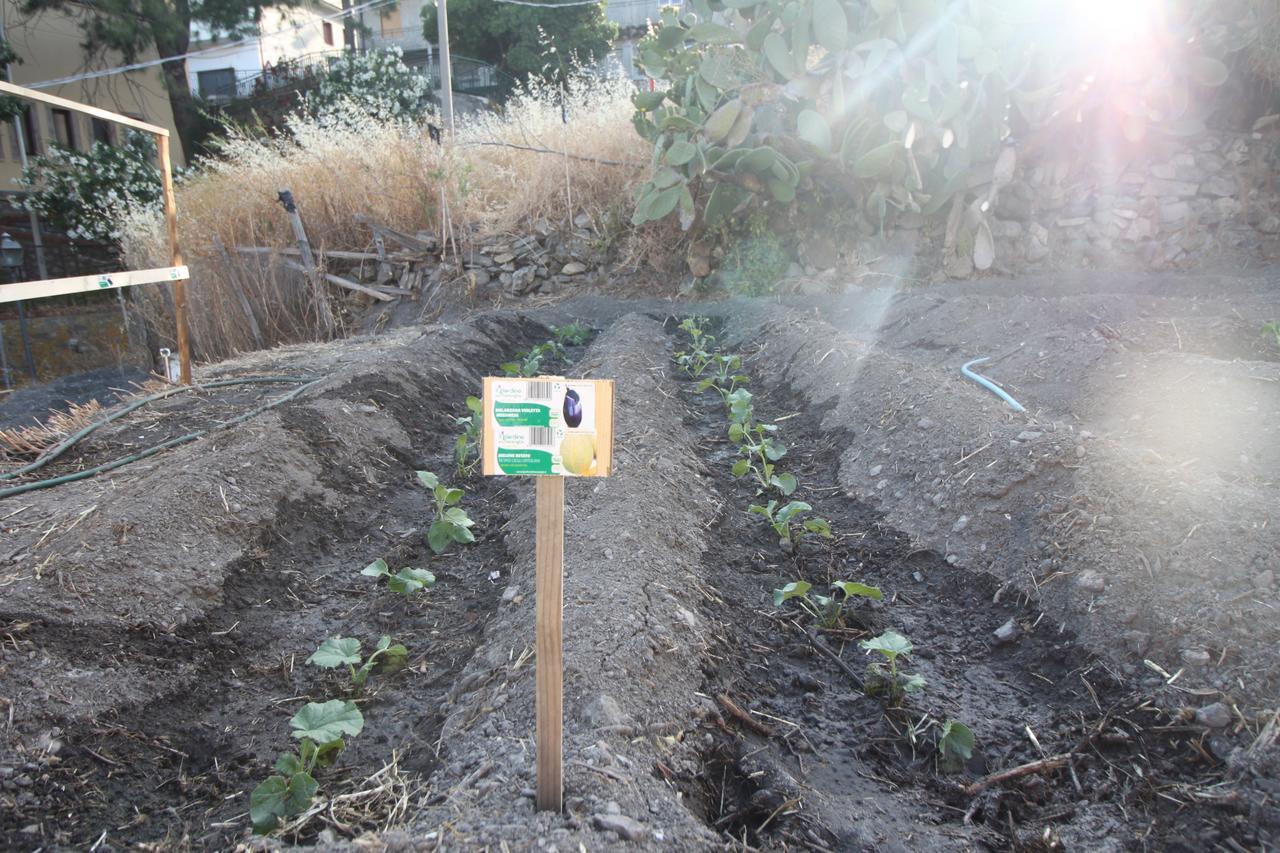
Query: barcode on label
point(541, 436)
point(538, 390)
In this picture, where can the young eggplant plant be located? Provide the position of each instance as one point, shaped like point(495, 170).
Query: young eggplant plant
point(883, 676)
point(827, 610)
point(319, 727)
point(451, 522)
point(726, 378)
point(786, 521)
point(695, 360)
point(468, 442)
point(345, 651)
point(571, 334)
point(406, 582)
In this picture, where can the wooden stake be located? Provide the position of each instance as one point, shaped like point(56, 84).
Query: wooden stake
point(175, 256)
point(308, 260)
point(549, 632)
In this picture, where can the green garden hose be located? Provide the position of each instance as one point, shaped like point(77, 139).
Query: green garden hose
point(150, 451)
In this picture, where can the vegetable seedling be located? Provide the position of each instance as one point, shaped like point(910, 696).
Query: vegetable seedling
point(955, 746)
point(1273, 329)
point(451, 523)
point(695, 360)
point(890, 645)
point(571, 334)
point(783, 521)
point(826, 610)
point(319, 727)
point(345, 651)
point(726, 378)
point(406, 581)
point(469, 440)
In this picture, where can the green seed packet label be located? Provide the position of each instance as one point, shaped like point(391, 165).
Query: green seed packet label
point(513, 461)
point(521, 414)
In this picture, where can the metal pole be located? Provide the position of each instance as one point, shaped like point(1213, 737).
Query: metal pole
point(446, 72)
point(4, 361)
point(26, 341)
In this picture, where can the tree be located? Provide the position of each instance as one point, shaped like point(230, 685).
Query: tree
point(523, 40)
point(130, 27)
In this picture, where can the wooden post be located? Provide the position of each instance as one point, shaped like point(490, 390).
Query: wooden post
point(549, 630)
point(308, 259)
point(175, 257)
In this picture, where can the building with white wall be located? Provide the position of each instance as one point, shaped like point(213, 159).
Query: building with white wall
point(288, 39)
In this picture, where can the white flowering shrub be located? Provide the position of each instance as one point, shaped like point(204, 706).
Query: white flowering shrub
point(88, 194)
point(359, 86)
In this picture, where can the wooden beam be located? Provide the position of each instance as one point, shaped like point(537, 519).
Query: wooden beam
point(96, 112)
point(88, 283)
point(549, 641)
point(411, 243)
point(340, 281)
point(175, 259)
point(327, 253)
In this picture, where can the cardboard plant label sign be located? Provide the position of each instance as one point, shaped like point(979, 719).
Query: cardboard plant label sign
point(548, 426)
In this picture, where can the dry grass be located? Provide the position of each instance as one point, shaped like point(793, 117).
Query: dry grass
point(1264, 53)
point(396, 175)
point(22, 444)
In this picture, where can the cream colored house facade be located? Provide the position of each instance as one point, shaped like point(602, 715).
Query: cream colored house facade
point(49, 46)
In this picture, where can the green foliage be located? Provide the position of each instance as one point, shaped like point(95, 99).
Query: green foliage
point(10, 107)
point(345, 651)
point(319, 727)
point(571, 334)
point(88, 194)
point(406, 582)
point(726, 378)
point(884, 677)
point(1272, 330)
point(955, 745)
point(468, 441)
point(695, 360)
point(786, 521)
point(754, 265)
point(451, 522)
point(826, 610)
point(898, 105)
point(756, 444)
point(526, 41)
point(374, 85)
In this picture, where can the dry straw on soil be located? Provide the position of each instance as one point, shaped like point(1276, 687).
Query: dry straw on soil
point(397, 176)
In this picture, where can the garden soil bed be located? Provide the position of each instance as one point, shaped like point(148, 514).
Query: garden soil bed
point(154, 622)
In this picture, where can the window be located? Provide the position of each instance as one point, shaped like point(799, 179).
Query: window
point(328, 33)
point(102, 131)
point(218, 83)
point(391, 24)
point(30, 132)
point(64, 129)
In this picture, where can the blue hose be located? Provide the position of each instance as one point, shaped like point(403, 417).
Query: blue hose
point(989, 385)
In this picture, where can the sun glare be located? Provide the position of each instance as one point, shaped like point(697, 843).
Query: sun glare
point(1116, 21)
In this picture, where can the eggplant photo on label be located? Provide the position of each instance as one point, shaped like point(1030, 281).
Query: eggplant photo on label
point(572, 409)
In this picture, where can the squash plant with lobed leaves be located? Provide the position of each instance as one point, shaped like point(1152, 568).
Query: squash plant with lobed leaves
point(319, 727)
point(827, 610)
point(337, 652)
point(451, 522)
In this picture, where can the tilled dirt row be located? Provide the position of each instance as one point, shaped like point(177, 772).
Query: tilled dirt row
point(156, 622)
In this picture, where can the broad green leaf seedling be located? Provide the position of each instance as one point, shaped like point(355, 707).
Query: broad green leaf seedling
point(345, 651)
point(760, 450)
point(955, 746)
point(319, 727)
point(451, 522)
point(786, 521)
point(406, 582)
point(890, 645)
point(827, 610)
point(469, 441)
point(571, 334)
point(726, 378)
point(695, 360)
